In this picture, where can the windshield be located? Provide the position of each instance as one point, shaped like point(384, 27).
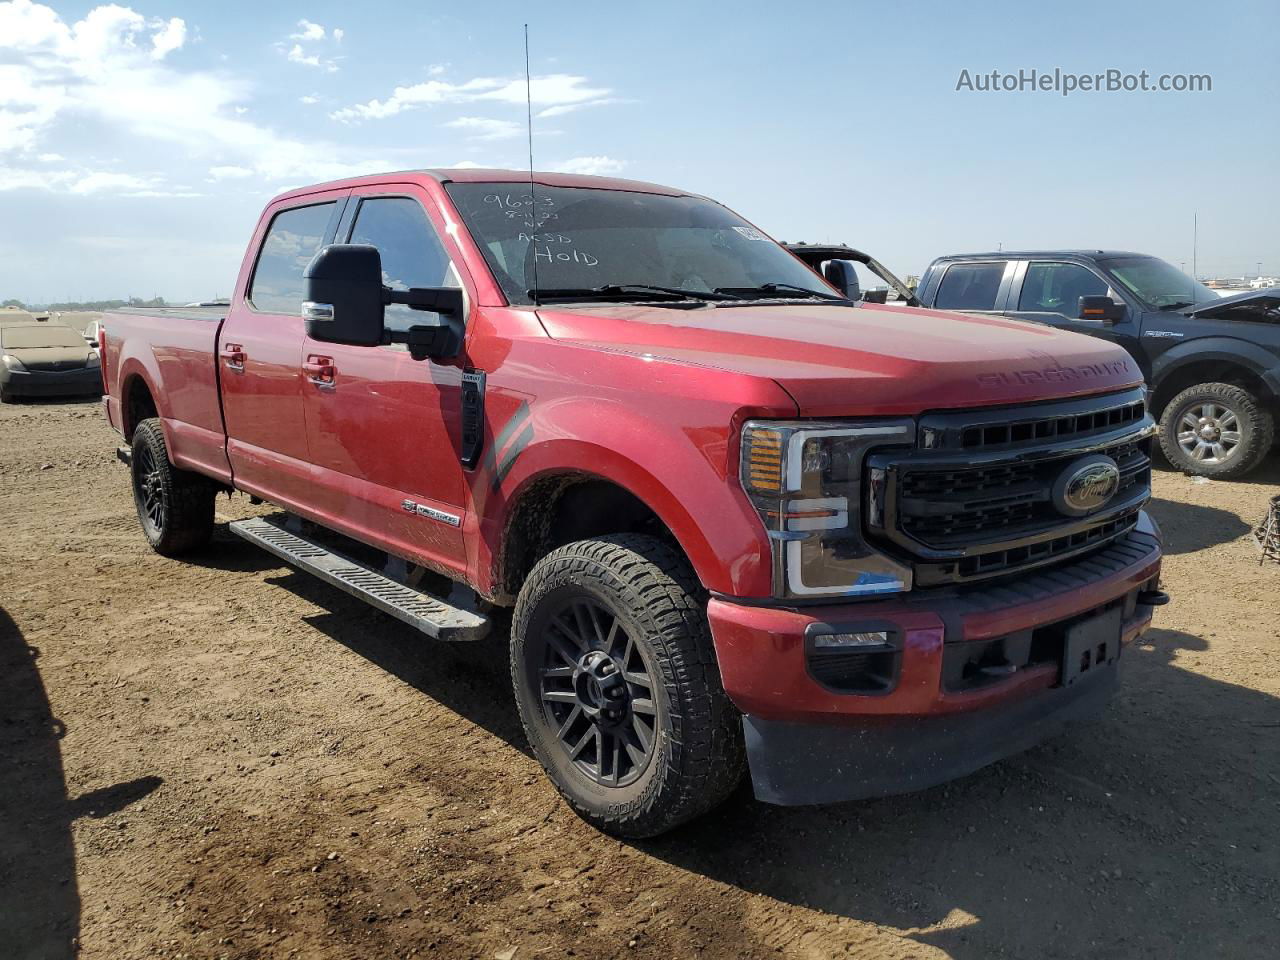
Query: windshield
point(582, 239)
point(43, 335)
point(1157, 283)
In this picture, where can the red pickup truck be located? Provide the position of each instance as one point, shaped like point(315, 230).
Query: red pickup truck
point(740, 517)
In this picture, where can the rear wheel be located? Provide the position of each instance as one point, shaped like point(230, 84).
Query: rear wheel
point(175, 507)
point(618, 689)
point(1215, 430)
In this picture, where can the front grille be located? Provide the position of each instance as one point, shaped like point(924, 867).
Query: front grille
point(47, 366)
point(974, 500)
point(976, 431)
point(945, 508)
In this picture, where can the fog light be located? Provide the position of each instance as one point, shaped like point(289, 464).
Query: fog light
point(850, 641)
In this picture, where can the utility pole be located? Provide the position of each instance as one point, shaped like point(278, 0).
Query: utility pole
point(1195, 235)
point(999, 246)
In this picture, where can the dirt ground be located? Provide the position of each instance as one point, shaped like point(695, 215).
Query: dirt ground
point(223, 758)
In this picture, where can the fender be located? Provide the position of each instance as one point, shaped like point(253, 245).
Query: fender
point(1257, 360)
point(687, 476)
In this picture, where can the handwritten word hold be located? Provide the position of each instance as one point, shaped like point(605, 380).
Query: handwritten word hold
point(564, 256)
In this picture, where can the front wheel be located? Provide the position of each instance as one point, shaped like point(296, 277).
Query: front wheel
point(1215, 430)
point(617, 685)
point(175, 507)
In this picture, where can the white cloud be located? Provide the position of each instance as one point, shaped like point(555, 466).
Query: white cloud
point(102, 69)
point(309, 99)
point(308, 31)
point(338, 34)
point(116, 182)
point(594, 166)
point(485, 128)
point(553, 90)
point(466, 165)
point(229, 172)
point(49, 157)
point(297, 55)
point(436, 70)
point(561, 109)
point(304, 49)
point(169, 38)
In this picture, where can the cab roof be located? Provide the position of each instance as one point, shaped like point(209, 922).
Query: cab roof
point(483, 175)
point(1042, 254)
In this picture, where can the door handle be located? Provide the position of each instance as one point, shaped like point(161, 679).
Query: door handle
point(319, 370)
point(233, 354)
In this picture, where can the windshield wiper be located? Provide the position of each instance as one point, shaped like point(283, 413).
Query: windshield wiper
point(776, 289)
point(1176, 306)
point(627, 291)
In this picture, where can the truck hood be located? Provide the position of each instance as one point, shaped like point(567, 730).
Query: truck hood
point(841, 361)
point(1261, 306)
point(67, 357)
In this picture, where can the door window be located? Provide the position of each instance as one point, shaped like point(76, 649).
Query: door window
point(412, 254)
point(294, 237)
point(970, 286)
point(1058, 287)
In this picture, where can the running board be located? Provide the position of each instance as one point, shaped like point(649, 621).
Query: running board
point(419, 610)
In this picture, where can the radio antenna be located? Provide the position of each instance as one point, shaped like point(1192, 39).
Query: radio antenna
point(533, 200)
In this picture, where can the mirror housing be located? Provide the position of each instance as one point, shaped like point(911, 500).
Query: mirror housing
point(344, 299)
point(346, 304)
point(842, 275)
point(1100, 309)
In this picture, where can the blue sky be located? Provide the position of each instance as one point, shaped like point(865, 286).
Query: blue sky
point(138, 142)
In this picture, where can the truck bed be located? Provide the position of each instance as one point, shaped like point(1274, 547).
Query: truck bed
point(169, 354)
point(213, 314)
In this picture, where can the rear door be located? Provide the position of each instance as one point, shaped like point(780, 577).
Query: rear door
point(978, 286)
point(1049, 292)
point(260, 353)
point(384, 429)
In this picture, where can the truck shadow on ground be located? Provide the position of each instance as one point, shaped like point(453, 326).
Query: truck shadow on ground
point(39, 896)
point(473, 679)
point(1149, 831)
point(1188, 527)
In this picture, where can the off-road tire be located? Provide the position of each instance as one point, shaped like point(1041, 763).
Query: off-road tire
point(1256, 429)
point(186, 517)
point(697, 754)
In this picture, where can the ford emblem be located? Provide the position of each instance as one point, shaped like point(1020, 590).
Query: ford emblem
point(1086, 485)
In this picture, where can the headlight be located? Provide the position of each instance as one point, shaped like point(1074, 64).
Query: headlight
point(12, 362)
point(805, 480)
point(94, 360)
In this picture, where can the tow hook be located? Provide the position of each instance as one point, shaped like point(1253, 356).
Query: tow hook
point(1153, 598)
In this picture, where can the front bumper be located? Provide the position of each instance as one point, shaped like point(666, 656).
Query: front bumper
point(53, 383)
point(810, 743)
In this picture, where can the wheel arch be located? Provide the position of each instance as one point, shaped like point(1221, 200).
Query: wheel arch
point(1219, 360)
point(558, 506)
point(137, 400)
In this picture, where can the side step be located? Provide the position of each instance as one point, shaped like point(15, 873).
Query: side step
point(421, 611)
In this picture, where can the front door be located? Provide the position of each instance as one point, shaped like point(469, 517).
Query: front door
point(1049, 292)
point(260, 355)
point(384, 430)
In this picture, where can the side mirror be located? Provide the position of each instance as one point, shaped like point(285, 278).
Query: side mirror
point(344, 295)
point(346, 300)
point(841, 275)
point(1100, 309)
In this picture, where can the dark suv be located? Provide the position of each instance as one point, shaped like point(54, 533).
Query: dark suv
point(1212, 363)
